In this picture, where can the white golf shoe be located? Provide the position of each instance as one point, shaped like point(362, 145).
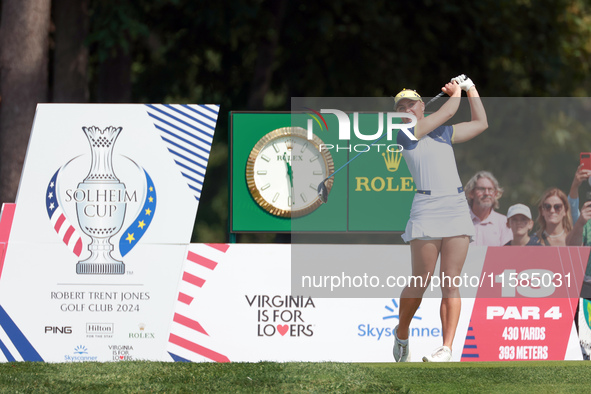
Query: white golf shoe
point(440, 355)
point(401, 348)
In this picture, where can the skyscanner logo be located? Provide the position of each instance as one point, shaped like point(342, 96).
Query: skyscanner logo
point(345, 127)
point(385, 328)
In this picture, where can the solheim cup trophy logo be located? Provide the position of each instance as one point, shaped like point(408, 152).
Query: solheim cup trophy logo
point(100, 204)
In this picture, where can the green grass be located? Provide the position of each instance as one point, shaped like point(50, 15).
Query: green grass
point(160, 377)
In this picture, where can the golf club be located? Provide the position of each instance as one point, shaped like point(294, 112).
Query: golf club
point(323, 190)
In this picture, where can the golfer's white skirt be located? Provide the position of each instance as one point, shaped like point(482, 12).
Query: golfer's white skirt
point(438, 217)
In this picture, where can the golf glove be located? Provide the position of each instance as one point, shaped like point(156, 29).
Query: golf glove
point(464, 82)
point(459, 79)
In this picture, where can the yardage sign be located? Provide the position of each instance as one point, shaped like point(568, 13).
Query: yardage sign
point(525, 311)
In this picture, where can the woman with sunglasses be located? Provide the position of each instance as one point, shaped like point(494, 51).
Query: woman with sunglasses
point(439, 225)
point(554, 218)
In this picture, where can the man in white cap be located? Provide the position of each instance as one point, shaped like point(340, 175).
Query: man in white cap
point(520, 222)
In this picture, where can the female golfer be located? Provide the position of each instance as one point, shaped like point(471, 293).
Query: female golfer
point(439, 223)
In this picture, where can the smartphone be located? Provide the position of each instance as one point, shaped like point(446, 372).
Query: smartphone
point(586, 160)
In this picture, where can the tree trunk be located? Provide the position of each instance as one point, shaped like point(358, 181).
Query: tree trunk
point(24, 29)
point(114, 78)
point(267, 48)
point(70, 56)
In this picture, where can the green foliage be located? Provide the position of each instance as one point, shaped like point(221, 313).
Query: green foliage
point(532, 144)
point(195, 51)
point(206, 52)
point(114, 25)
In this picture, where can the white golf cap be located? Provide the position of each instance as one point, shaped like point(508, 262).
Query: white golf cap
point(519, 209)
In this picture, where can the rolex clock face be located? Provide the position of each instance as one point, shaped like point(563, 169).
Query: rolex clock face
point(284, 170)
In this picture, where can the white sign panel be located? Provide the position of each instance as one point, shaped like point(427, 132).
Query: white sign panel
point(105, 210)
point(244, 311)
point(226, 303)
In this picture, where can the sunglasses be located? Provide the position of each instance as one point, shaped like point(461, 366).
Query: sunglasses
point(557, 207)
point(489, 190)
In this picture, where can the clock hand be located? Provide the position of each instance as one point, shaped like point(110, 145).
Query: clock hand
point(289, 171)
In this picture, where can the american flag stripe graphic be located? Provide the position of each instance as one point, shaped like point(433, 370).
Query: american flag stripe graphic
point(8, 352)
point(6, 218)
point(60, 220)
point(189, 340)
point(193, 279)
point(185, 298)
point(14, 346)
point(198, 349)
point(187, 131)
point(221, 247)
point(207, 263)
point(192, 324)
point(67, 233)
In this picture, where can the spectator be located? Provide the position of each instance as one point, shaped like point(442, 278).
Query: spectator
point(573, 196)
point(520, 222)
point(554, 218)
point(581, 232)
point(483, 194)
point(581, 235)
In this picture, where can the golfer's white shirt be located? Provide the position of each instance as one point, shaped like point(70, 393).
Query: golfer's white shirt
point(431, 160)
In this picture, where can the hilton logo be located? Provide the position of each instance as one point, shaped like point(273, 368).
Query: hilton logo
point(99, 328)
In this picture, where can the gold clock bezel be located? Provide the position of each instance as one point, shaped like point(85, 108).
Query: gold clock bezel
point(275, 134)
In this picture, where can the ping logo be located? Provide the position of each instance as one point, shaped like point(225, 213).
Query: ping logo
point(58, 330)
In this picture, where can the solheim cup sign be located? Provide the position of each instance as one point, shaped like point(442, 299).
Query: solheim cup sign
point(105, 211)
point(99, 203)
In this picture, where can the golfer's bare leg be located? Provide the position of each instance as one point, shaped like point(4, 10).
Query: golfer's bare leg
point(453, 255)
point(424, 258)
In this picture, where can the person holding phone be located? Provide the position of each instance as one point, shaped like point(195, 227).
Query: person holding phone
point(583, 173)
point(585, 159)
point(581, 232)
point(581, 235)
